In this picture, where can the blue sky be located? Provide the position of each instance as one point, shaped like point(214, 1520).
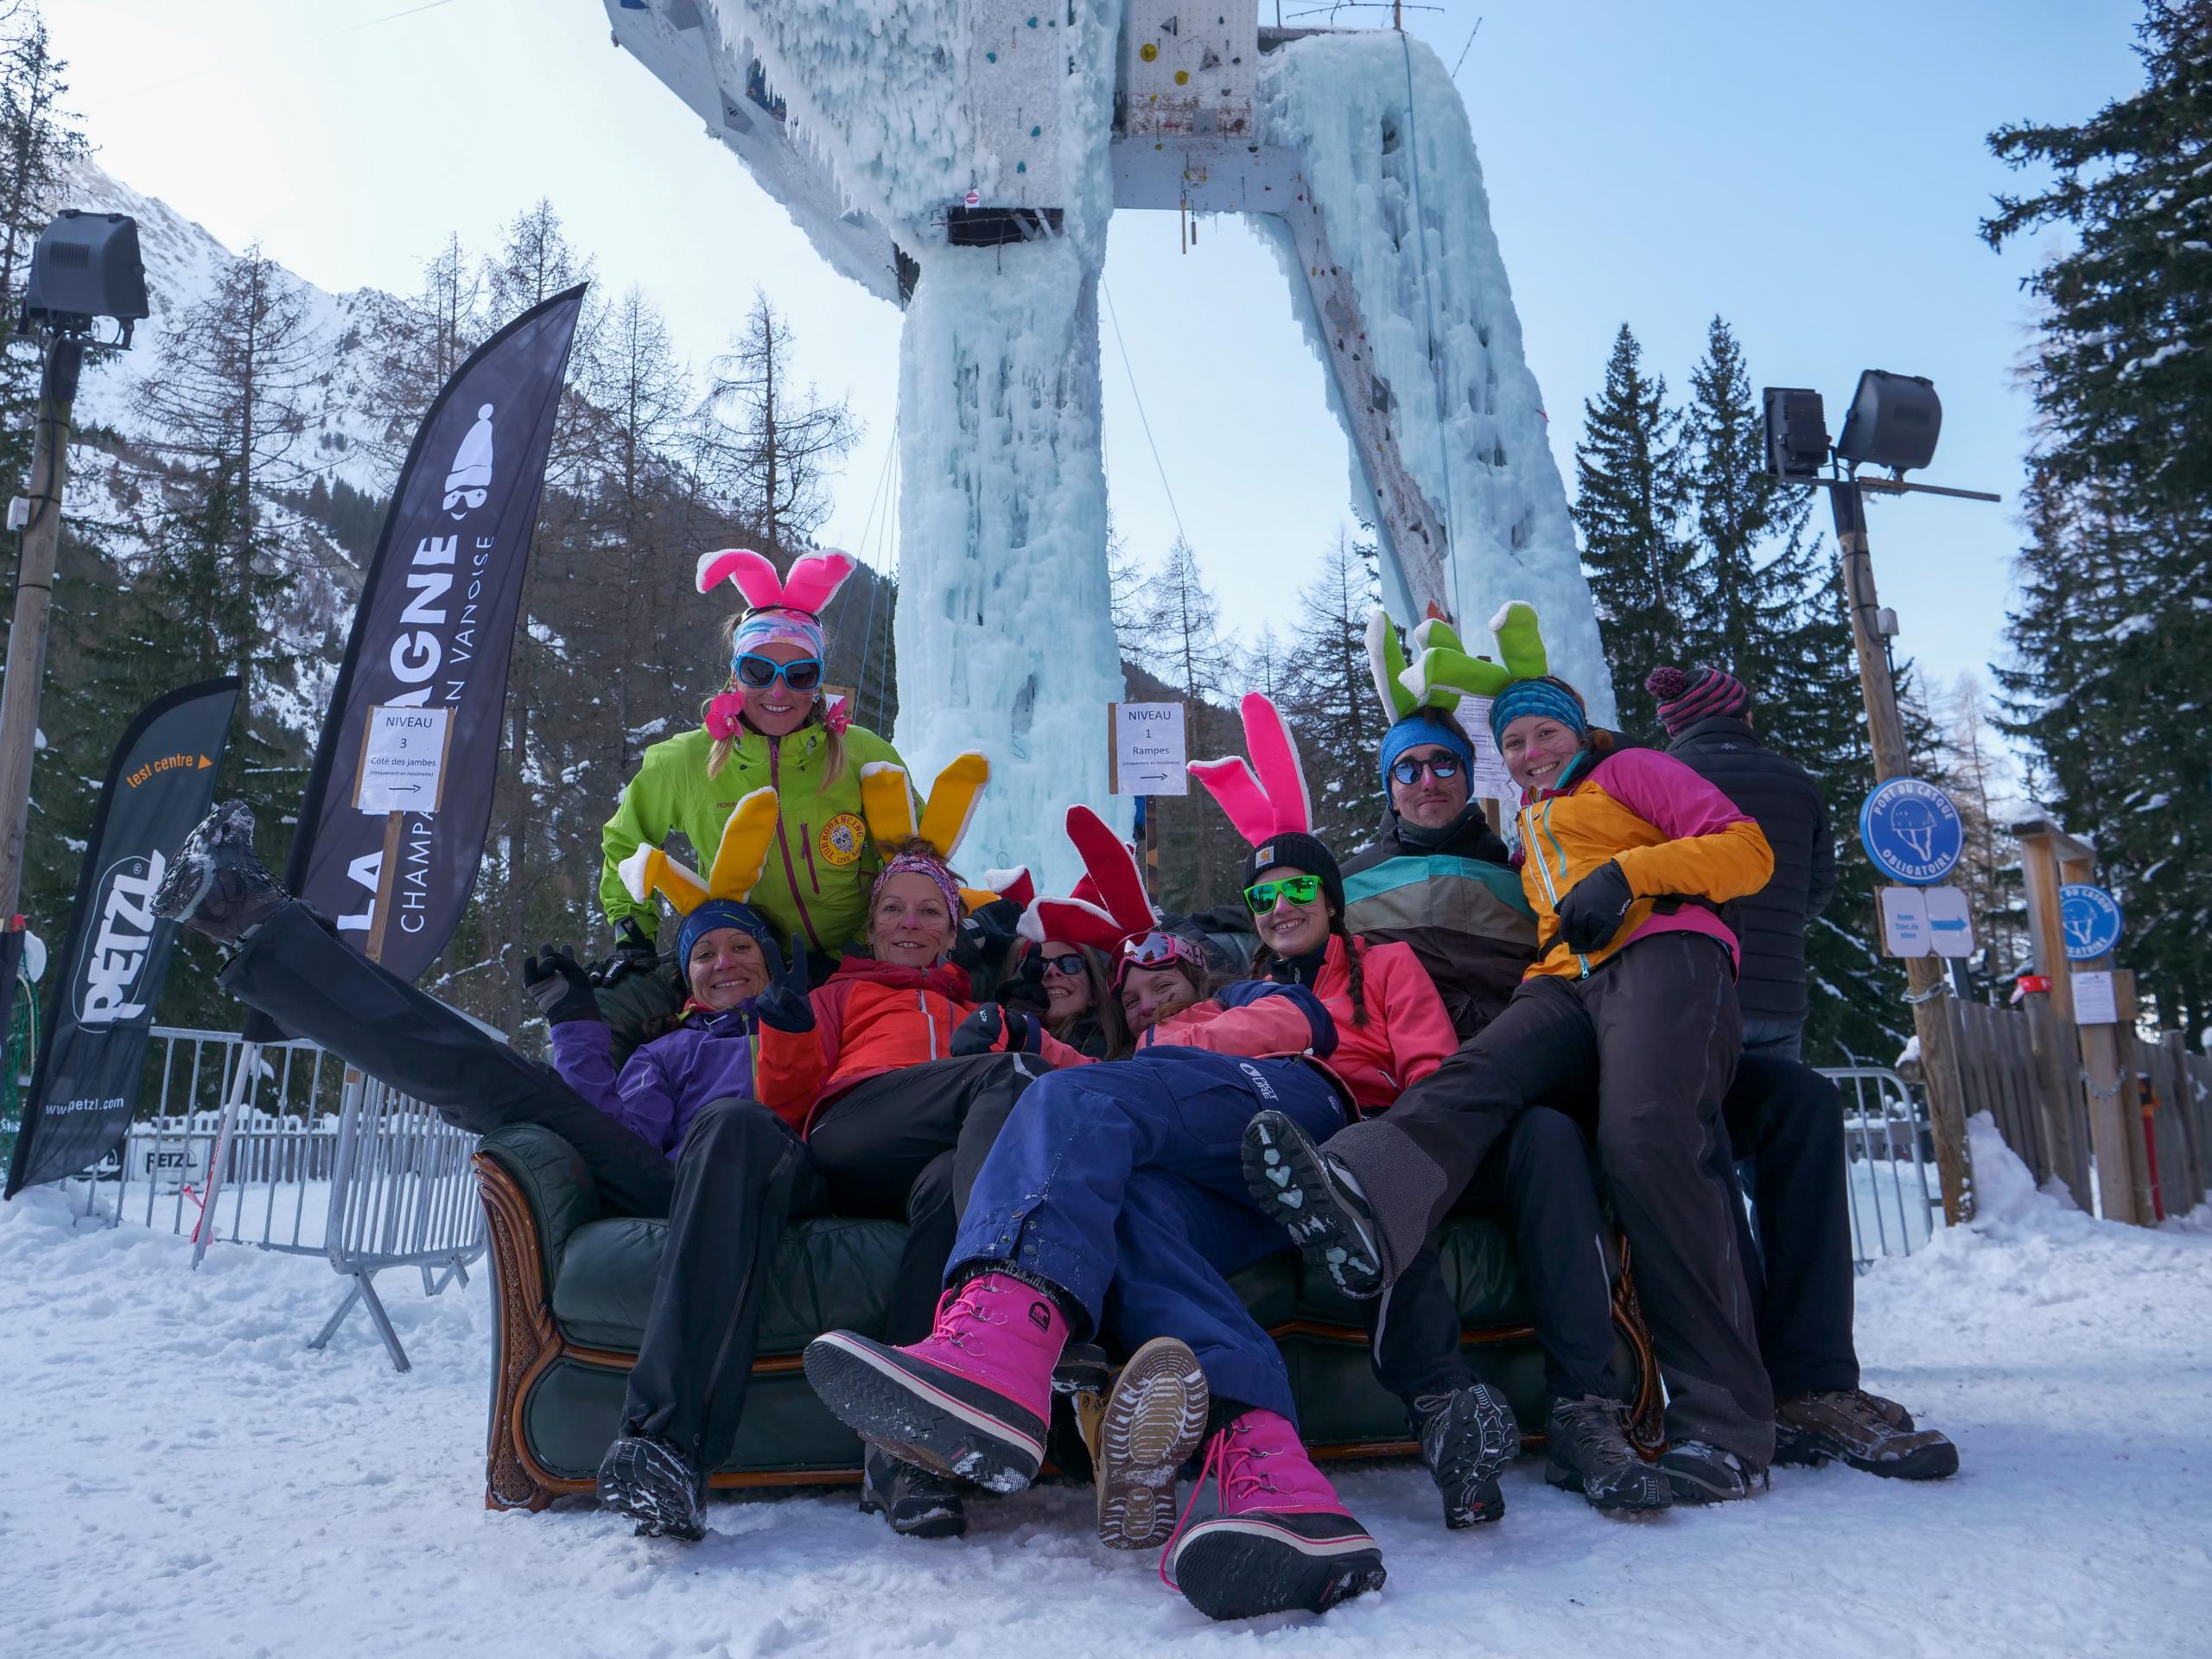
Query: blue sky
point(1814, 175)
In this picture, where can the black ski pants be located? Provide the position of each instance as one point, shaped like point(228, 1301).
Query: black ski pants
point(739, 1174)
point(1538, 1176)
point(1654, 1035)
point(906, 1146)
point(1786, 1121)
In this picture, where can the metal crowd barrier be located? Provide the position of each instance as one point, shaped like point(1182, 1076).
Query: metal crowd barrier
point(320, 1164)
point(1896, 1203)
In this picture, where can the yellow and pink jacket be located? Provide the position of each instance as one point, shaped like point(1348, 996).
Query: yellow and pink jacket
point(1675, 837)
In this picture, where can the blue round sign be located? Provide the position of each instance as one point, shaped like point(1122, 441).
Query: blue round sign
point(1911, 831)
point(2089, 917)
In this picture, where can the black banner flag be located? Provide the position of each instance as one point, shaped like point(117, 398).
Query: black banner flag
point(400, 797)
point(161, 783)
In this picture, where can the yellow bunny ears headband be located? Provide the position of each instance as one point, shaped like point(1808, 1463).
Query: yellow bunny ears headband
point(736, 871)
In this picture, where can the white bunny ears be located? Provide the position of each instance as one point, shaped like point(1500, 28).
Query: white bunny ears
point(1275, 802)
point(813, 582)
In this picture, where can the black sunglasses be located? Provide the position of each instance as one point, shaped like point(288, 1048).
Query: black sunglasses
point(1443, 767)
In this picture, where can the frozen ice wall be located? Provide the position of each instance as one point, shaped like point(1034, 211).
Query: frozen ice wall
point(1005, 633)
point(1385, 147)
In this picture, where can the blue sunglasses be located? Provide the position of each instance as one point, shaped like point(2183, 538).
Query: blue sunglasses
point(757, 673)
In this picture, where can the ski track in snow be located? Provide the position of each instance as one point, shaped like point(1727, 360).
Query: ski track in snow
point(184, 1477)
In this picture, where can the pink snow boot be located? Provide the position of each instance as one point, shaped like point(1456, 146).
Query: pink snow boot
point(1275, 1537)
point(972, 1400)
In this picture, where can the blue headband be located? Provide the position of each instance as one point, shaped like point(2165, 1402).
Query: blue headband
point(1547, 697)
point(704, 918)
point(1424, 726)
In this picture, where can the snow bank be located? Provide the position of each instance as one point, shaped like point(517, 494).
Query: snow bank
point(185, 1478)
point(1385, 144)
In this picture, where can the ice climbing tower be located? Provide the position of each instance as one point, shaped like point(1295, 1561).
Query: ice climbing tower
point(962, 158)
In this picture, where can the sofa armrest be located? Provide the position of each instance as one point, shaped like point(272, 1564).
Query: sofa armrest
point(554, 1183)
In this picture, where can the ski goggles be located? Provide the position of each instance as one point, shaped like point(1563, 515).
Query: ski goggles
point(1443, 767)
point(1298, 889)
point(1158, 949)
point(758, 673)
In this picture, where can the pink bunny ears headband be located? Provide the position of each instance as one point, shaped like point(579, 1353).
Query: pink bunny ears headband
point(786, 608)
point(1274, 803)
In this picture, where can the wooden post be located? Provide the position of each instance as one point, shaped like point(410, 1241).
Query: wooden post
point(387, 874)
point(2057, 1049)
point(1930, 988)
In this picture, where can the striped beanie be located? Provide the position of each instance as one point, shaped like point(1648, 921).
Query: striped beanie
point(1687, 696)
point(1555, 698)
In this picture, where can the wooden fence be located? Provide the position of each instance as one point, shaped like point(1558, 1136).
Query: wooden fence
point(2005, 1071)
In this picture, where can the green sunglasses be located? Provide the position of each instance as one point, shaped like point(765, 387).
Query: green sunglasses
point(1298, 889)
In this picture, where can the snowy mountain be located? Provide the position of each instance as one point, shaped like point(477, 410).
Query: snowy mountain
point(184, 262)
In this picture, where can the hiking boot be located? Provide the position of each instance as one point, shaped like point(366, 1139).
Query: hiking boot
point(918, 1503)
point(656, 1486)
point(972, 1399)
point(1467, 1437)
point(1864, 1430)
point(214, 884)
point(1591, 1454)
point(1154, 1418)
point(1271, 1534)
point(1314, 1196)
point(1703, 1473)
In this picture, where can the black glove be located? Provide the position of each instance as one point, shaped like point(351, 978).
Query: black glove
point(1592, 911)
point(1026, 990)
point(784, 1005)
point(995, 1029)
point(560, 985)
point(634, 954)
point(984, 936)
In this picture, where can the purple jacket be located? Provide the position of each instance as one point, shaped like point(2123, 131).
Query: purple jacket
point(664, 1084)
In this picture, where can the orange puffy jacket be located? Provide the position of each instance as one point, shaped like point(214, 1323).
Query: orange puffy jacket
point(869, 1017)
point(1675, 837)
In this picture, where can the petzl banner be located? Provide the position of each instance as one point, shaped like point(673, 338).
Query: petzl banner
point(433, 635)
point(161, 783)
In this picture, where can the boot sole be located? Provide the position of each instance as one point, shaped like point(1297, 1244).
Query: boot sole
point(1238, 1569)
point(873, 1392)
point(650, 1489)
point(1471, 1498)
point(1937, 1461)
point(1155, 1418)
point(1648, 1494)
point(1289, 1180)
point(944, 1524)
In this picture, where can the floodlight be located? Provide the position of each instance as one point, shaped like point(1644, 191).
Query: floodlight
point(1797, 432)
point(86, 266)
point(1894, 421)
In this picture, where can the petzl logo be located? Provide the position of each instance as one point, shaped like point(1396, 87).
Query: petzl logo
point(470, 480)
point(114, 959)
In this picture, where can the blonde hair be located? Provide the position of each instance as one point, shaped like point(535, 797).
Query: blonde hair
point(718, 754)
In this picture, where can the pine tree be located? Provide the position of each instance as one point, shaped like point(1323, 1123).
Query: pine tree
point(1180, 627)
point(2112, 640)
point(1329, 694)
point(1631, 492)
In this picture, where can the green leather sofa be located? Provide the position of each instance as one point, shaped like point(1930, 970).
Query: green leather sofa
point(573, 1285)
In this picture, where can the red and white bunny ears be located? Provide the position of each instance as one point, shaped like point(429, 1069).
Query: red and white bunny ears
point(1108, 904)
point(813, 582)
point(1275, 802)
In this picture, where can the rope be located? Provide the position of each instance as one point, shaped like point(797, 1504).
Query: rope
point(867, 630)
point(1429, 304)
point(1138, 396)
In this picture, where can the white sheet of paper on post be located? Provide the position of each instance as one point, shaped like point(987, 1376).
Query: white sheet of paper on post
point(1950, 921)
point(1149, 749)
point(403, 760)
point(1489, 780)
point(2094, 1000)
point(1904, 922)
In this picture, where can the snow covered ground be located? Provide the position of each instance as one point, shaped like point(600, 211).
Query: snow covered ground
point(183, 1478)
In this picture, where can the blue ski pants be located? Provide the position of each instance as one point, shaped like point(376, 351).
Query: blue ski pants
point(1123, 1181)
